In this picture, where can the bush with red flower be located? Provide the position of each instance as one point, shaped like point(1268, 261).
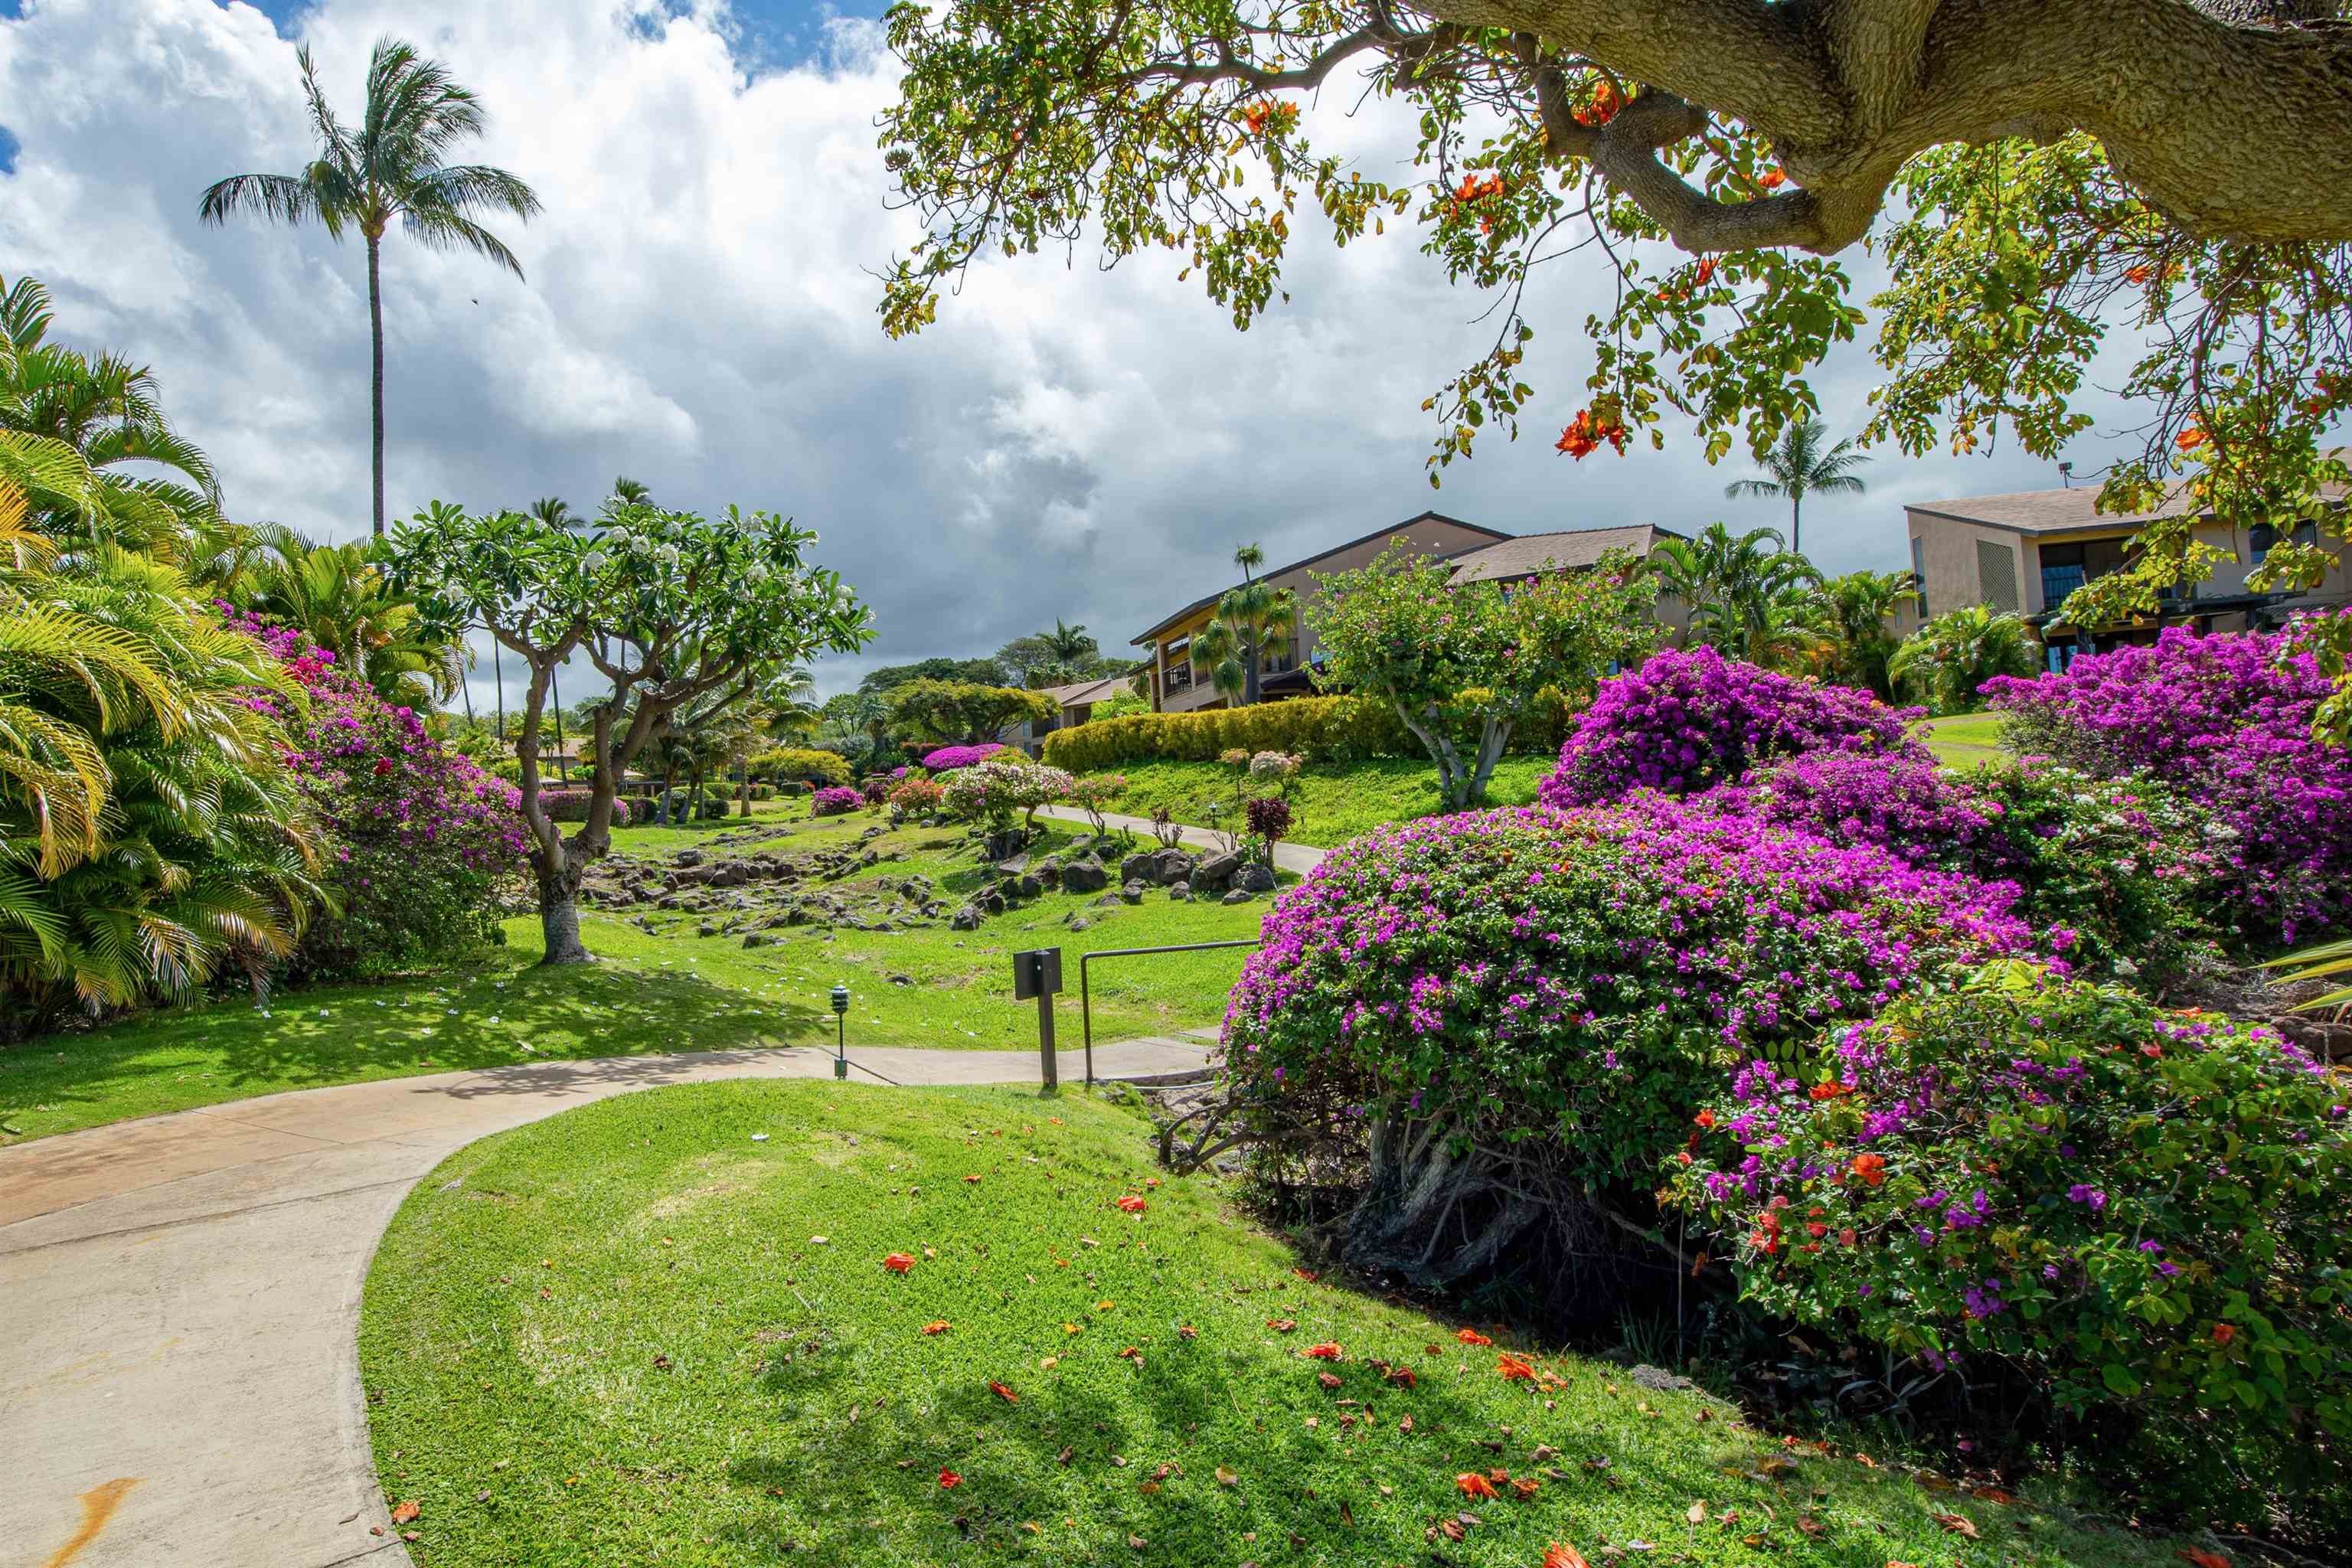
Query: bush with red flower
point(1689, 718)
point(2139, 1207)
point(423, 838)
point(2228, 720)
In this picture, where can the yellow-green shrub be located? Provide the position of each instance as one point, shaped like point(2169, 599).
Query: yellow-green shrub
point(1320, 729)
point(787, 762)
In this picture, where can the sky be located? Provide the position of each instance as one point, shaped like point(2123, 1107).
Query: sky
point(698, 313)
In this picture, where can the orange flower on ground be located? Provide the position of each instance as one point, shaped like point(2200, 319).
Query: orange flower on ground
point(1328, 1351)
point(1473, 1484)
point(1772, 179)
point(1131, 1204)
point(940, 1327)
point(1003, 1393)
point(2224, 1333)
point(1473, 1337)
point(897, 1263)
point(1870, 1168)
point(948, 1479)
point(1514, 1370)
point(1562, 1555)
point(973, 1180)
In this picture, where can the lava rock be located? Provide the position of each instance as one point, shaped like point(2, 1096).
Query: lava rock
point(1085, 875)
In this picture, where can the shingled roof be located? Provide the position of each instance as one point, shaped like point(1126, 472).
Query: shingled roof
point(2058, 511)
point(1567, 550)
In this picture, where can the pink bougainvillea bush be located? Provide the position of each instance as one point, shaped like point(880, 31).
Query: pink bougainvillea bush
point(1584, 978)
point(948, 758)
point(2136, 1205)
point(837, 800)
point(2226, 720)
point(421, 836)
point(1689, 718)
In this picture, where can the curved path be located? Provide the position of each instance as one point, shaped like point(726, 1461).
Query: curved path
point(180, 1296)
point(1300, 857)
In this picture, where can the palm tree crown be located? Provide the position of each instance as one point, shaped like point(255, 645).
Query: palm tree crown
point(1800, 464)
point(1252, 624)
point(1737, 586)
point(388, 166)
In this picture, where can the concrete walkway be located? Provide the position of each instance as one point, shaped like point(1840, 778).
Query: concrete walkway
point(180, 1296)
point(1298, 857)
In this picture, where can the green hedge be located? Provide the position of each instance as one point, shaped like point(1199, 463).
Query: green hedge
point(1320, 729)
point(786, 763)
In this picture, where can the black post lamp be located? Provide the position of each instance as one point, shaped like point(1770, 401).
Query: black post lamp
point(840, 1031)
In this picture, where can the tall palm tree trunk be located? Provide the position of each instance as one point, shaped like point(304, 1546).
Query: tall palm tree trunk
point(375, 350)
point(1797, 525)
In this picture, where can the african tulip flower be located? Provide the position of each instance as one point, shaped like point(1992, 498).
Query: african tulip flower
point(1325, 1351)
point(1131, 1204)
point(897, 1263)
point(1475, 1485)
point(1473, 1337)
point(940, 1327)
point(1514, 1370)
point(948, 1479)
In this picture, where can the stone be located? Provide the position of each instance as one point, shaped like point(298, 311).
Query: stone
point(1080, 922)
point(687, 857)
point(1238, 896)
point(1256, 877)
point(964, 919)
point(1029, 886)
point(1084, 875)
point(1180, 892)
point(1216, 871)
point(1013, 866)
point(1132, 893)
point(758, 939)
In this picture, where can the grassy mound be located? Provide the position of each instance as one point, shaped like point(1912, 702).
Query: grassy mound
point(662, 1329)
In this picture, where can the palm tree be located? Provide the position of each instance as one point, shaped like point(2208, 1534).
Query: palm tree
point(556, 512)
point(1800, 464)
point(1732, 582)
point(1253, 622)
point(1951, 658)
point(1069, 644)
point(338, 598)
point(388, 167)
point(1862, 607)
point(628, 493)
point(1249, 558)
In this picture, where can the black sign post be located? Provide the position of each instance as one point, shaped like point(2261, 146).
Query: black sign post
point(1038, 973)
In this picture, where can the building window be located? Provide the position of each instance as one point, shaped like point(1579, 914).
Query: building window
point(1919, 573)
point(1997, 575)
point(2060, 579)
point(2263, 535)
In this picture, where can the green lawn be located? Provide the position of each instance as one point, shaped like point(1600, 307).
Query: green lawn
point(1964, 740)
point(660, 1330)
point(1335, 801)
point(664, 991)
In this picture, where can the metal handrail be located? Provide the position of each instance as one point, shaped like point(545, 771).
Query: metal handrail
point(1085, 997)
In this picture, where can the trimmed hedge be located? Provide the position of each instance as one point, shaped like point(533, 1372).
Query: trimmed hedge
point(1320, 729)
point(571, 805)
point(797, 763)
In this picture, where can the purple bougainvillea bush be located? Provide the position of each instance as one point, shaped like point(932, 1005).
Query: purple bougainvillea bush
point(1688, 720)
point(948, 758)
point(2138, 1206)
point(837, 800)
point(421, 836)
point(2226, 719)
point(1586, 978)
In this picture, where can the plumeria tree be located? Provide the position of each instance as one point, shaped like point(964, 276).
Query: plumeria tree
point(1462, 666)
point(672, 608)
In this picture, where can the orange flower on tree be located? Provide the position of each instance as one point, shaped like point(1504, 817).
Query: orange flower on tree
point(1772, 179)
point(1003, 1393)
point(1586, 432)
point(1829, 1090)
point(1475, 1485)
point(1603, 108)
point(1704, 273)
point(938, 1327)
point(1473, 1337)
point(1514, 1370)
point(2139, 274)
point(948, 1479)
point(1328, 1351)
point(897, 1263)
point(1870, 1168)
point(1256, 115)
point(1705, 1118)
point(2188, 440)
point(2224, 1333)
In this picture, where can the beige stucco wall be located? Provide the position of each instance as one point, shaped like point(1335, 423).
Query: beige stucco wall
point(1949, 557)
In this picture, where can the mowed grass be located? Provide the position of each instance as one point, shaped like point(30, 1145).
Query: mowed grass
point(1965, 740)
point(1336, 800)
point(670, 991)
point(660, 1330)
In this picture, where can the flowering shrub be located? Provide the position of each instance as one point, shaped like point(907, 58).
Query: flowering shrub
point(916, 797)
point(875, 788)
point(2117, 871)
point(571, 805)
point(989, 793)
point(2136, 1205)
point(2228, 719)
point(950, 757)
point(1581, 977)
point(1095, 796)
point(837, 800)
point(421, 836)
point(1276, 769)
point(1269, 818)
point(1688, 720)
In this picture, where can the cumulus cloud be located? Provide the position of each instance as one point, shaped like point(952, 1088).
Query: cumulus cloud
point(699, 314)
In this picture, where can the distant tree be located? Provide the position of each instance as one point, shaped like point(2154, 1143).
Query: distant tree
point(1253, 624)
point(1800, 464)
point(1862, 609)
point(1732, 582)
point(945, 711)
point(1249, 558)
point(675, 611)
point(388, 167)
point(976, 671)
point(1462, 666)
point(1949, 658)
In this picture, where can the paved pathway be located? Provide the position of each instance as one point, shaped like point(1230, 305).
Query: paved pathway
point(1298, 857)
point(179, 1298)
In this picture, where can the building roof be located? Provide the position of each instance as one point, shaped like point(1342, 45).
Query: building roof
point(1080, 694)
point(2056, 511)
point(1566, 550)
point(1199, 605)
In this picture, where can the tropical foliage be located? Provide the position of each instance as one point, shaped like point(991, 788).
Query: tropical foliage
point(1802, 463)
point(340, 601)
point(1948, 661)
point(1253, 625)
point(956, 710)
point(1742, 591)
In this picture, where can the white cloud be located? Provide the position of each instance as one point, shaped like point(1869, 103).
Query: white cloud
point(700, 315)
